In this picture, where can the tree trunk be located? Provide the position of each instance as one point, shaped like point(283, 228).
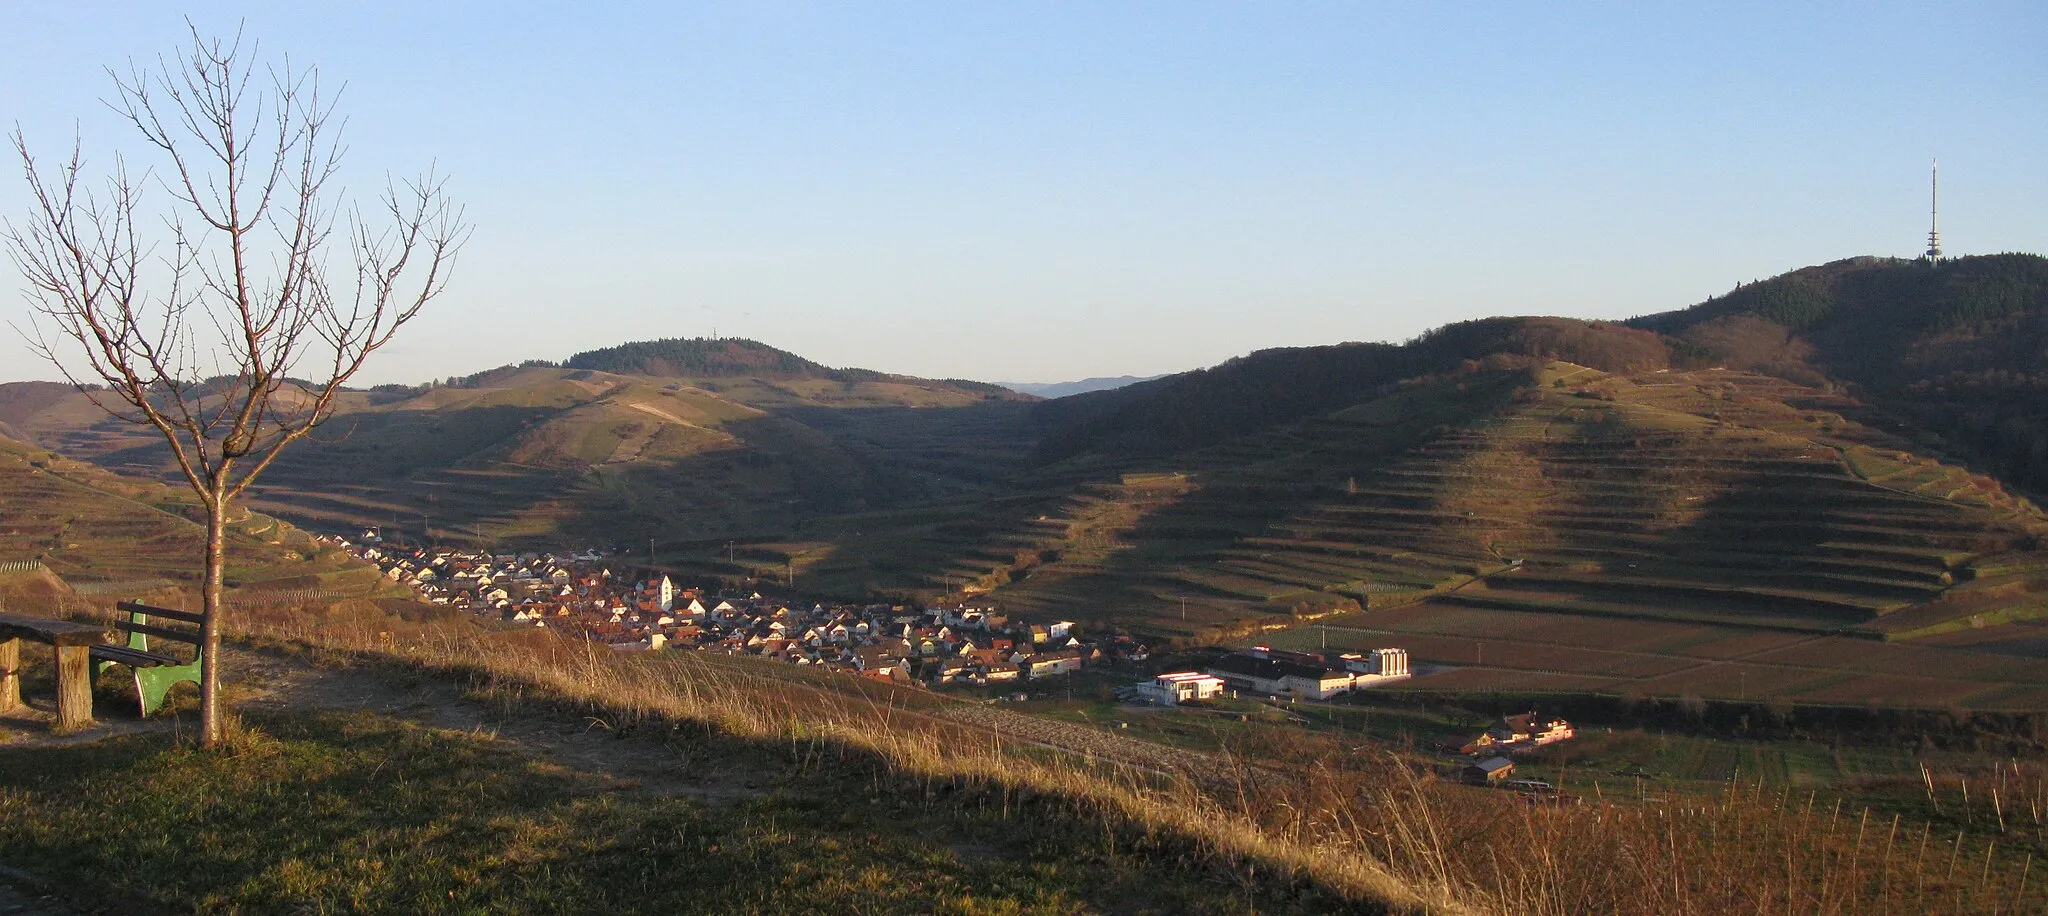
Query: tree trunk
point(209, 630)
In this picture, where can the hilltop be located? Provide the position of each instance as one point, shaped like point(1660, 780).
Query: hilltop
point(698, 357)
point(739, 358)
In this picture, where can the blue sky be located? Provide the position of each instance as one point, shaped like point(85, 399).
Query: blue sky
point(1041, 192)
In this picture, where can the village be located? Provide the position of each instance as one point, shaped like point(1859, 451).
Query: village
point(962, 645)
point(582, 594)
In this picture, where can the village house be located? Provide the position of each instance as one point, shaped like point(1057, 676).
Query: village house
point(1053, 664)
point(1519, 734)
point(1180, 687)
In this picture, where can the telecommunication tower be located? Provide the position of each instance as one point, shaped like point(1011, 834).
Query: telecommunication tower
point(1934, 215)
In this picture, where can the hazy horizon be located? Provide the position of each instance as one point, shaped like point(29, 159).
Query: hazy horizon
point(1069, 192)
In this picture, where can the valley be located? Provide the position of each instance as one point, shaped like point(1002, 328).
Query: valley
point(1693, 506)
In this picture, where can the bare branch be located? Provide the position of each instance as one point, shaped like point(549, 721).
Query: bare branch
point(231, 276)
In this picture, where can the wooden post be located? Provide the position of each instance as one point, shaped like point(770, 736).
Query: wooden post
point(10, 674)
point(74, 687)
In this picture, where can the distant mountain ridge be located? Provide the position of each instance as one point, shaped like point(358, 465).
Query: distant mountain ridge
point(1083, 386)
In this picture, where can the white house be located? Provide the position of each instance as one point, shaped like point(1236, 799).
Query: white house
point(1181, 687)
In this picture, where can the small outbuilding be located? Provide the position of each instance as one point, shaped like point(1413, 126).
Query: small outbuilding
point(1491, 771)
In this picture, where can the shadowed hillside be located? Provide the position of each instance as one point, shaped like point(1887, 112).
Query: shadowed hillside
point(1274, 387)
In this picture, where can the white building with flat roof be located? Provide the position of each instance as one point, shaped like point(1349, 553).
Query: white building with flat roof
point(1180, 687)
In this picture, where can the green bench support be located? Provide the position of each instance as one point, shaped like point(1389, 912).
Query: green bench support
point(155, 673)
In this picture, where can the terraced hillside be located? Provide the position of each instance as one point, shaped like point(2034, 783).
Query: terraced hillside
point(543, 456)
point(1709, 497)
point(105, 534)
point(1717, 497)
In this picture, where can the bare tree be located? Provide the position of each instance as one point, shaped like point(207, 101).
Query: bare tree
point(204, 318)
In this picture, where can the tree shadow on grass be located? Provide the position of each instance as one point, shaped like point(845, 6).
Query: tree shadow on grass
point(332, 811)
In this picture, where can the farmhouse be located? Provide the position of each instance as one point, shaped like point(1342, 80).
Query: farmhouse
point(1520, 733)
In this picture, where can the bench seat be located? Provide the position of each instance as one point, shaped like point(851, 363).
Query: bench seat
point(155, 673)
point(133, 658)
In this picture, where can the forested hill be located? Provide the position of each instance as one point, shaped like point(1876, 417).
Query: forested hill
point(1881, 299)
point(701, 357)
point(1960, 347)
point(1270, 388)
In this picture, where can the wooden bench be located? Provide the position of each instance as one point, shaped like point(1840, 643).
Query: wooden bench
point(73, 642)
point(155, 672)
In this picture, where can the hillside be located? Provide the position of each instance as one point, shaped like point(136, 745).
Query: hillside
point(544, 455)
point(97, 533)
point(1958, 348)
point(1581, 474)
point(1713, 472)
point(1275, 387)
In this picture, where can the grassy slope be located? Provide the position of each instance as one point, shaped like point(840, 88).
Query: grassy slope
point(867, 805)
point(366, 812)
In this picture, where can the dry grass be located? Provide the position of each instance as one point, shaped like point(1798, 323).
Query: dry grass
point(1372, 828)
point(1208, 818)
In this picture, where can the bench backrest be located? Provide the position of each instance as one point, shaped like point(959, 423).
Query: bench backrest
point(139, 629)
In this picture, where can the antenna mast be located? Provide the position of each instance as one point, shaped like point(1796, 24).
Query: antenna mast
point(1934, 214)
